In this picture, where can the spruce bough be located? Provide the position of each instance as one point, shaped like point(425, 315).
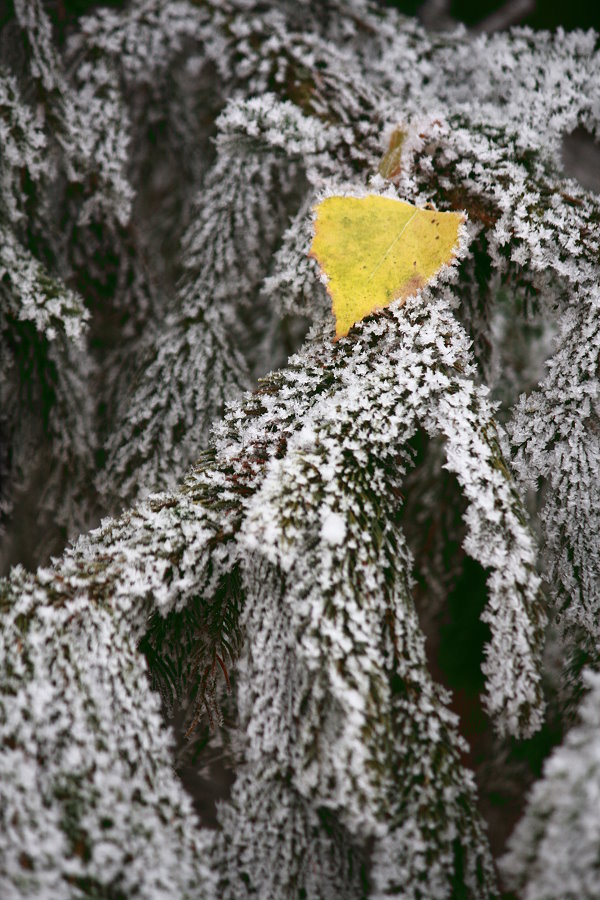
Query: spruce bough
point(269, 516)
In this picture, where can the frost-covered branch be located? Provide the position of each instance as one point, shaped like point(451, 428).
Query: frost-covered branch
point(553, 851)
point(159, 170)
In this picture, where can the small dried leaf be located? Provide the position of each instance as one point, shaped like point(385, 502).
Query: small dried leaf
point(391, 163)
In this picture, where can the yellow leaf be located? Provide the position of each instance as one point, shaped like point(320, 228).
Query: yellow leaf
point(375, 249)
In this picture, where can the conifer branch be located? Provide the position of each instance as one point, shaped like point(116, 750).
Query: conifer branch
point(159, 172)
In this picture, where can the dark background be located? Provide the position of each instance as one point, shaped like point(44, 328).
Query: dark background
point(541, 14)
point(434, 13)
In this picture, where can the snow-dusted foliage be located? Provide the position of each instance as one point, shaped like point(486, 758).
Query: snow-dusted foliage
point(82, 748)
point(554, 849)
point(288, 518)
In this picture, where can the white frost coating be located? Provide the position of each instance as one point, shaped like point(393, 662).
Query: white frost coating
point(196, 358)
point(553, 852)
point(277, 124)
point(154, 558)
point(93, 124)
point(93, 779)
point(32, 295)
point(499, 539)
point(157, 176)
point(328, 618)
point(333, 528)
